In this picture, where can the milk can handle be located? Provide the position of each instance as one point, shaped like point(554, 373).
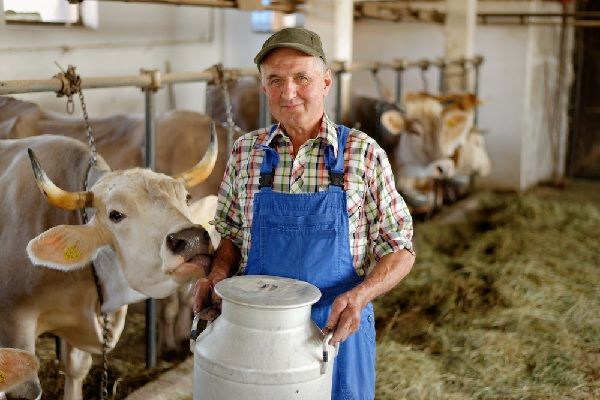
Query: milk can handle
point(326, 350)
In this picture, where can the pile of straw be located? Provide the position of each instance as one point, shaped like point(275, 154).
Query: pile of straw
point(504, 305)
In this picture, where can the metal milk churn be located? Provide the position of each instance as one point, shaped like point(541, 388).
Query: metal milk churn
point(264, 345)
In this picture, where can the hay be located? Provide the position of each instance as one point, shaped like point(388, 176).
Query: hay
point(501, 306)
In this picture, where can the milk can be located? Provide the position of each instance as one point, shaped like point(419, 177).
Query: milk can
point(264, 345)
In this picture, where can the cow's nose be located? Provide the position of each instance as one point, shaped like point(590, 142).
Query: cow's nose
point(188, 242)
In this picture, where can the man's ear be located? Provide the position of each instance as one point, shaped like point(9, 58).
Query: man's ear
point(327, 80)
point(66, 247)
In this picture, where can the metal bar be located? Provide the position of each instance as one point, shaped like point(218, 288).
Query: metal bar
point(476, 93)
point(442, 77)
point(142, 81)
point(205, 3)
point(287, 7)
point(338, 95)
point(399, 72)
point(150, 163)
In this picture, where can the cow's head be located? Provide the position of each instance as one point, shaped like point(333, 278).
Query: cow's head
point(446, 120)
point(142, 215)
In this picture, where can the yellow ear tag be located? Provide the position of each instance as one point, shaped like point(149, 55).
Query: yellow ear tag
point(2, 377)
point(72, 253)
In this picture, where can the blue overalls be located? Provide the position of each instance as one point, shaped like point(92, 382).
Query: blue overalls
point(305, 236)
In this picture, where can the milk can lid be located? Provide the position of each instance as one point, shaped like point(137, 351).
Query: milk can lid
point(267, 291)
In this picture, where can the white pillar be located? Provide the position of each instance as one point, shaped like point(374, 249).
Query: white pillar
point(461, 21)
point(333, 20)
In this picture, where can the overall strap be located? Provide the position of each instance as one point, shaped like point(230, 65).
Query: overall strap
point(336, 165)
point(269, 163)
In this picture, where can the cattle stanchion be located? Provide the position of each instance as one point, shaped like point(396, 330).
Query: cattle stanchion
point(338, 90)
point(150, 162)
point(441, 63)
point(424, 66)
point(477, 61)
point(399, 67)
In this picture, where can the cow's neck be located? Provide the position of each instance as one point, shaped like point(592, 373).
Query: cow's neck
point(115, 288)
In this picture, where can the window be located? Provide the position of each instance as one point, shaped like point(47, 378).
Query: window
point(51, 12)
point(273, 21)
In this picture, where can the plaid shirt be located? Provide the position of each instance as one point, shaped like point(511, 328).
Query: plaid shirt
point(379, 220)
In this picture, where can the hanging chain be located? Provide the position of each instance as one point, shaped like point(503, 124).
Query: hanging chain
point(380, 91)
point(91, 141)
point(229, 123)
point(71, 83)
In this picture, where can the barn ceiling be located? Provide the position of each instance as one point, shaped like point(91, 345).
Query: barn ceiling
point(512, 12)
point(286, 6)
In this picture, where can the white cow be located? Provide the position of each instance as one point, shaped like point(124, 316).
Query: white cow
point(175, 316)
point(140, 236)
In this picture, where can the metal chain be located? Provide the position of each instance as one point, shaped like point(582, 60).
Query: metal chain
point(230, 124)
point(105, 338)
point(75, 87)
point(91, 141)
point(374, 72)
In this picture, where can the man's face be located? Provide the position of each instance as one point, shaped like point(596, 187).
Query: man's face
point(296, 85)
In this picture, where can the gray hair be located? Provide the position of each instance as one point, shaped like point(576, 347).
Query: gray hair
point(318, 62)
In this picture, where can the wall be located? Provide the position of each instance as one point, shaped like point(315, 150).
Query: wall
point(516, 81)
point(130, 36)
point(501, 86)
point(546, 100)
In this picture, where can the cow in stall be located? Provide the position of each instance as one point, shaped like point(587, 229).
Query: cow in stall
point(181, 138)
point(140, 239)
point(420, 138)
point(244, 95)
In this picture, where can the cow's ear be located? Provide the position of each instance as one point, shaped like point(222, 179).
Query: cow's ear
point(15, 367)
point(393, 121)
point(66, 247)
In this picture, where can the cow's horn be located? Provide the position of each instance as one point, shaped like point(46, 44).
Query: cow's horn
point(199, 172)
point(55, 195)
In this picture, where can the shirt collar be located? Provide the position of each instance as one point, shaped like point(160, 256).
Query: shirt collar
point(327, 133)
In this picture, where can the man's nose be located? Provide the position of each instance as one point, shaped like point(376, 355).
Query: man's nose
point(289, 90)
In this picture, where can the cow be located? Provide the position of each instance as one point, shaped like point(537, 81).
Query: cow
point(420, 137)
point(176, 311)
point(181, 137)
point(244, 95)
point(139, 238)
point(16, 366)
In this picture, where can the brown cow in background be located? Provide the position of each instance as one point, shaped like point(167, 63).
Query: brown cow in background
point(426, 138)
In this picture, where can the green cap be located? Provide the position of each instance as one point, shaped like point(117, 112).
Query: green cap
point(294, 38)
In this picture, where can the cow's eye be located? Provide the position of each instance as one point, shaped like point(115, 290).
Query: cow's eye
point(116, 216)
point(188, 199)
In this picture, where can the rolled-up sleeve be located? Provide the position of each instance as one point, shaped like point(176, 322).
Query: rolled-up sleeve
point(228, 218)
point(391, 227)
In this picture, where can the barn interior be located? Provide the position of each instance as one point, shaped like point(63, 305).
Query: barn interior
point(502, 302)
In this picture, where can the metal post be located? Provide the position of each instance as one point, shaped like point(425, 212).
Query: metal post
point(338, 94)
point(477, 61)
point(442, 77)
point(399, 71)
point(150, 163)
point(264, 117)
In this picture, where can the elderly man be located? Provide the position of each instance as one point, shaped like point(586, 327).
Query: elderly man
point(310, 200)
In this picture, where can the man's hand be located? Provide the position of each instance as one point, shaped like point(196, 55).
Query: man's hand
point(344, 318)
point(224, 263)
point(205, 296)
